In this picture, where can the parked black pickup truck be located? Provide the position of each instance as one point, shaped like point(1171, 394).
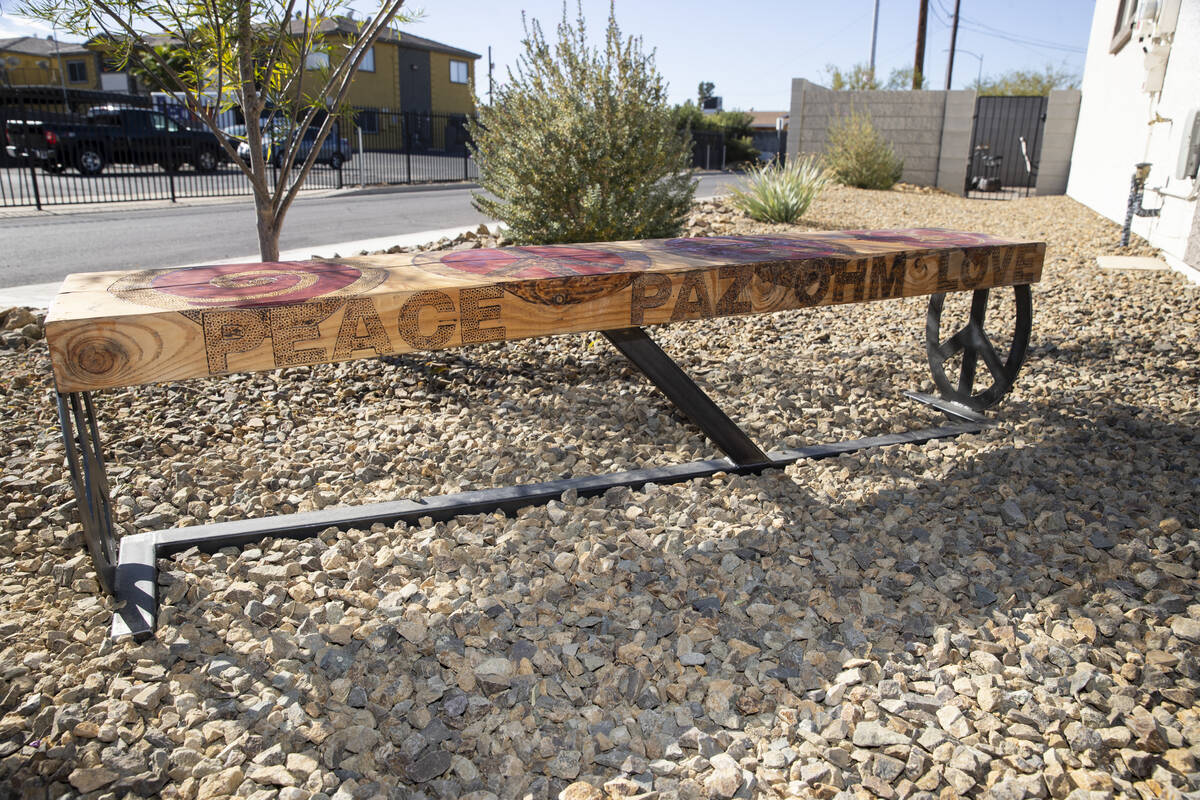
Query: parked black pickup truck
point(108, 135)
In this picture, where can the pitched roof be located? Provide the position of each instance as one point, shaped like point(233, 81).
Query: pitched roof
point(766, 119)
point(411, 40)
point(34, 46)
point(350, 27)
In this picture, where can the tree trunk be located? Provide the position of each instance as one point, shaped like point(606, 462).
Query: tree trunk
point(268, 235)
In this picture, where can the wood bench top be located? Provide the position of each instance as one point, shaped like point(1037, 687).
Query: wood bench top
point(114, 329)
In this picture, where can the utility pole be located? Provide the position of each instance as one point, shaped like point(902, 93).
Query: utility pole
point(490, 65)
point(874, 38)
point(919, 62)
point(953, 39)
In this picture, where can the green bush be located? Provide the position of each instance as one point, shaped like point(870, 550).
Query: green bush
point(780, 194)
point(858, 156)
point(580, 145)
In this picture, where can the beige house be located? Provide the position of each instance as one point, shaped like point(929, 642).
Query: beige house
point(768, 132)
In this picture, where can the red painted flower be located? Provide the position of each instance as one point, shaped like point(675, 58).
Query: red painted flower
point(256, 285)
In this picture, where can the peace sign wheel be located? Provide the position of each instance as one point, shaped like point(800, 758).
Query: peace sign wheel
point(971, 342)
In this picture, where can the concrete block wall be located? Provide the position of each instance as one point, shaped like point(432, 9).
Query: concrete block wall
point(1058, 138)
point(957, 124)
point(930, 130)
point(911, 121)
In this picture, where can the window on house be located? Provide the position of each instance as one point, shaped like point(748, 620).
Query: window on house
point(367, 120)
point(316, 61)
point(458, 71)
point(368, 62)
point(77, 72)
point(1123, 27)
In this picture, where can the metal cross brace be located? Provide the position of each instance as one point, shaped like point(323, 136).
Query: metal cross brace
point(132, 575)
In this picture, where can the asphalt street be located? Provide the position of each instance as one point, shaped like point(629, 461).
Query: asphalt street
point(42, 247)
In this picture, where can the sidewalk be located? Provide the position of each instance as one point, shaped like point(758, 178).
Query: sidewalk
point(340, 249)
point(35, 295)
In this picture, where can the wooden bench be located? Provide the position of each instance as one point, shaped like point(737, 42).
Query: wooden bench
point(117, 329)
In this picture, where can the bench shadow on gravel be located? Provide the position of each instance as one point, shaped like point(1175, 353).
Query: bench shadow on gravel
point(1030, 570)
point(1031, 563)
point(1073, 557)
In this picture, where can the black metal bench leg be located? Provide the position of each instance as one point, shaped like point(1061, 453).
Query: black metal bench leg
point(642, 351)
point(85, 460)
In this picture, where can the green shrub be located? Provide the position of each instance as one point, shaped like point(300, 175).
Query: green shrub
point(780, 194)
point(580, 146)
point(858, 156)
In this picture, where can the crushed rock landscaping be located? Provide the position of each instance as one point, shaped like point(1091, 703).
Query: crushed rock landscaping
point(1012, 614)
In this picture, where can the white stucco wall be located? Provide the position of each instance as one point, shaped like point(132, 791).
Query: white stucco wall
point(1113, 134)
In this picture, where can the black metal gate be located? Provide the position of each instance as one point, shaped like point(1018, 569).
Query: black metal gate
point(1006, 143)
point(708, 149)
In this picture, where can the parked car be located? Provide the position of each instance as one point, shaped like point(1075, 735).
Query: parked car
point(235, 135)
point(110, 135)
point(335, 151)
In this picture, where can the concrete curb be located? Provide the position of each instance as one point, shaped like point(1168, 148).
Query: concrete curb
point(404, 188)
point(338, 249)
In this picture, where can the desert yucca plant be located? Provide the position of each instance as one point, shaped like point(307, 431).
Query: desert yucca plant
point(858, 156)
point(780, 194)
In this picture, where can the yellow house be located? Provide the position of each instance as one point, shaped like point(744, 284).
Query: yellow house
point(404, 76)
point(30, 61)
point(403, 72)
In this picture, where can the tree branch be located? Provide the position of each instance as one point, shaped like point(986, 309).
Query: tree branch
point(386, 13)
point(284, 24)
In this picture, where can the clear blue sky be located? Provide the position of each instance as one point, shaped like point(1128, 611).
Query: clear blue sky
point(752, 49)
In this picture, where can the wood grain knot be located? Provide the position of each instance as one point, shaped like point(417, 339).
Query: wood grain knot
point(99, 356)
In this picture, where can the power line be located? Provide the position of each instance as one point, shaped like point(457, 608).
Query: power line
point(1023, 39)
point(990, 30)
point(941, 7)
point(1020, 40)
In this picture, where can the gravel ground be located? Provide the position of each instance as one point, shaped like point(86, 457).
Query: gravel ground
point(1012, 614)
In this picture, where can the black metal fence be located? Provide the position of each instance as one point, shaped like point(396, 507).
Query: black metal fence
point(410, 147)
point(97, 152)
point(1006, 144)
point(708, 149)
